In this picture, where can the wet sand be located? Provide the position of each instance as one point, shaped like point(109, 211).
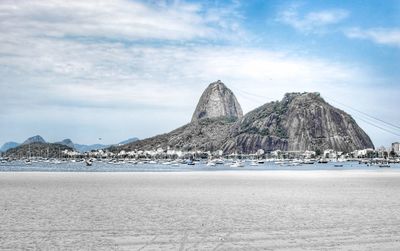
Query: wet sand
point(275, 210)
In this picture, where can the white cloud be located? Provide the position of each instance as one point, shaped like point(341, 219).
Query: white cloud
point(116, 19)
point(98, 74)
point(116, 84)
point(312, 21)
point(385, 36)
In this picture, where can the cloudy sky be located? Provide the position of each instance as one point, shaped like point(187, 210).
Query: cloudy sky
point(118, 69)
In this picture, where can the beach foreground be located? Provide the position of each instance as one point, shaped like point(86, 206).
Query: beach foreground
point(277, 210)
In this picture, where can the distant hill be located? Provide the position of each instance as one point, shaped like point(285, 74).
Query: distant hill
point(34, 139)
point(87, 148)
point(8, 145)
point(66, 142)
point(37, 149)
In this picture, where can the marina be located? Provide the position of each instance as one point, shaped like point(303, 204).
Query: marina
point(182, 165)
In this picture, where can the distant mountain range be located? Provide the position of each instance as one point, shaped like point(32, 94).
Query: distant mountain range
point(66, 142)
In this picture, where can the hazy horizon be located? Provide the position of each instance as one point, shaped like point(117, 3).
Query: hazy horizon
point(122, 69)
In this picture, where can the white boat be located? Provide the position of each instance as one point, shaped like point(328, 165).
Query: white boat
point(210, 163)
point(308, 162)
point(219, 161)
point(237, 163)
point(254, 163)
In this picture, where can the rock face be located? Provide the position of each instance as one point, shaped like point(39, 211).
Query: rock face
point(301, 121)
point(217, 101)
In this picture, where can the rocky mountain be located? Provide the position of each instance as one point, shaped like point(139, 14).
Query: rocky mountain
point(299, 122)
point(34, 139)
point(37, 149)
point(217, 101)
point(215, 114)
point(8, 145)
point(205, 134)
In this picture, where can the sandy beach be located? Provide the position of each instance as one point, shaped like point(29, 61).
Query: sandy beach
point(273, 210)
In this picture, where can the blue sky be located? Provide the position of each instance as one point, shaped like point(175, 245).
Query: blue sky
point(118, 69)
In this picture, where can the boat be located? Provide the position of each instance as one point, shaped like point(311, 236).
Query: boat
point(89, 162)
point(190, 162)
point(384, 166)
point(219, 161)
point(338, 165)
point(237, 163)
point(254, 163)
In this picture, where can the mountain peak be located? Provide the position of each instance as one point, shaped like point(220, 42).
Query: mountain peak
point(299, 122)
point(217, 101)
point(67, 142)
point(34, 139)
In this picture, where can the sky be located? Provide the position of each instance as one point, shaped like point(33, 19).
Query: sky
point(116, 69)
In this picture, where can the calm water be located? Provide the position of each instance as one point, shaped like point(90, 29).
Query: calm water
point(129, 167)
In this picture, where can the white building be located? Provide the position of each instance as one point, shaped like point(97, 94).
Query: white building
point(363, 153)
point(396, 147)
